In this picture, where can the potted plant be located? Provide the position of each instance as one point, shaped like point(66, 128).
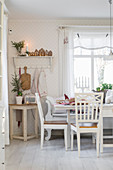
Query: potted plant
point(18, 46)
point(104, 88)
point(16, 83)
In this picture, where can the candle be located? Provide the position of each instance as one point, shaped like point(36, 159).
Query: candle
point(19, 72)
point(88, 81)
point(85, 82)
point(27, 47)
point(79, 81)
point(82, 82)
point(76, 82)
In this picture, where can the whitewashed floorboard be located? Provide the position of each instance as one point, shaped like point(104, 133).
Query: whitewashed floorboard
point(28, 156)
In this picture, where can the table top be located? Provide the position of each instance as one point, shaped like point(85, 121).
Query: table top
point(66, 107)
point(71, 107)
point(33, 104)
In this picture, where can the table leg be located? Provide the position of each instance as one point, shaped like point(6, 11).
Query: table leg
point(11, 123)
point(36, 123)
point(24, 115)
point(68, 129)
point(101, 134)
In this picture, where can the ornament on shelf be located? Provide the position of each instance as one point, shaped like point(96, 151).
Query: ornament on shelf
point(50, 53)
point(36, 52)
point(41, 52)
point(46, 53)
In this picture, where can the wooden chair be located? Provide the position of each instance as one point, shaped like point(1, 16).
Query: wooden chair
point(50, 124)
point(88, 108)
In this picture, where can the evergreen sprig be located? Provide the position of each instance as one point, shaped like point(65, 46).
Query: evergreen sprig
point(18, 45)
point(16, 83)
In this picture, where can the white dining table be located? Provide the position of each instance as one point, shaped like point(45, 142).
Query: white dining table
point(107, 112)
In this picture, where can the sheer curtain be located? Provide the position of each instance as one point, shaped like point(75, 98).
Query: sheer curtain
point(66, 73)
point(5, 80)
point(92, 39)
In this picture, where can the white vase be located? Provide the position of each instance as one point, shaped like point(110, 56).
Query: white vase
point(18, 99)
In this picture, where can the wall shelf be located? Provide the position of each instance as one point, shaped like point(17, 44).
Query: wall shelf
point(33, 62)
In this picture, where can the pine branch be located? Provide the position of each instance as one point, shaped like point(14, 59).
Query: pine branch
point(16, 83)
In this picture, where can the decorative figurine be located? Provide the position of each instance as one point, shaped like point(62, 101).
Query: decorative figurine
point(50, 53)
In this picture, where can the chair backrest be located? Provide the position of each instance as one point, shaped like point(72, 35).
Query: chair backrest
point(88, 107)
point(40, 108)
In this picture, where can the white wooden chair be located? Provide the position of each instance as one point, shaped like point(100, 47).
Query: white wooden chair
point(88, 108)
point(50, 124)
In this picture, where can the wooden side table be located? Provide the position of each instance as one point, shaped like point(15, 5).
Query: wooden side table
point(24, 108)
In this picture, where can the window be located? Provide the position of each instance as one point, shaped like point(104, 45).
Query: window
point(103, 70)
point(90, 68)
point(82, 73)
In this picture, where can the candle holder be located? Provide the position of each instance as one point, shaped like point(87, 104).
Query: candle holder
point(82, 83)
point(27, 53)
point(27, 102)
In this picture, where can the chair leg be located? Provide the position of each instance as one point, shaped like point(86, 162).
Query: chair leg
point(78, 142)
point(101, 136)
point(72, 139)
point(93, 138)
point(97, 144)
point(65, 137)
point(42, 137)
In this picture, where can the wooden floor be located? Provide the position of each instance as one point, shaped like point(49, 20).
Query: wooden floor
point(28, 156)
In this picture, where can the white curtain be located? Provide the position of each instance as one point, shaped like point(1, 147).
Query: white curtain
point(5, 80)
point(66, 73)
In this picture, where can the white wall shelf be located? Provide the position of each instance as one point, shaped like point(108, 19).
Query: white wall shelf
point(33, 62)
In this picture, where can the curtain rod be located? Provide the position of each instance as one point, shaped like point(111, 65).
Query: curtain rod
point(82, 26)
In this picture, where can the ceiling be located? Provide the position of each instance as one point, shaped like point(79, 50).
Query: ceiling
point(58, 9)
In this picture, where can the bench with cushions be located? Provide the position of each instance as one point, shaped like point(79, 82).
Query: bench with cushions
point(52, 114)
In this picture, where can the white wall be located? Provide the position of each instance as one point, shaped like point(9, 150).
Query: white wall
point(40, 34)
